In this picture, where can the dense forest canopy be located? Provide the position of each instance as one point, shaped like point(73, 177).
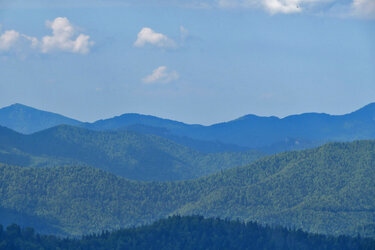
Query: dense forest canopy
point(327, 190)
point(192, 232)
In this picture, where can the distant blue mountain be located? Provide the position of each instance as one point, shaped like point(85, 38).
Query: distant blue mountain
point(176, 131)
point(28, 120)
point(126, 120)
point(271, 134)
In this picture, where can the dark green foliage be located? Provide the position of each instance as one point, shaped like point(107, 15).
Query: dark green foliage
point(327, 190)
point(192, 232)
point(43, 225)
point(125, 153)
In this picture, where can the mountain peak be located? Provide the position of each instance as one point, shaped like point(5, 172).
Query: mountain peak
point(27, 120)
point(367, 111)
point(255, 117)
point(17, 106)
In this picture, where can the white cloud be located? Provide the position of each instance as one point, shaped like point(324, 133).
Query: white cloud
point(364, 8)
point(62, 38)
point(8, 39)
point(282, 6)
point(161, 75)
point(273, 6)
point(148, 36)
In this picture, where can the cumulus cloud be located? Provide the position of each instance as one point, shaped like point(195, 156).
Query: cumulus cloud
point(62, 38)
point(161, 75)
point(148, 36)
point(8, 39)
point(364, 8)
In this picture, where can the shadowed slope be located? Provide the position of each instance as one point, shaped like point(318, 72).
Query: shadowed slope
point(125, 153)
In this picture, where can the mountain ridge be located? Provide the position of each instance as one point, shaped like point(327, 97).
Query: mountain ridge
point(125, 153)
point(369, 107)
point(250, 131)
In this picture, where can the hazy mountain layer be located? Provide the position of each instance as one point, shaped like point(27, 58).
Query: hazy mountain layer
point(125, 153)
point(271, 134)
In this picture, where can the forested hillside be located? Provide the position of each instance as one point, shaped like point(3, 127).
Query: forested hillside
point(192, 232)
point(328, 190)
point(125, 153)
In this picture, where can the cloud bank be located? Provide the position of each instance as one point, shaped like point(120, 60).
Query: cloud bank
point(358, 8)
point(161, 75)
point(64, 38)
point(347, 8)
point(274, 6)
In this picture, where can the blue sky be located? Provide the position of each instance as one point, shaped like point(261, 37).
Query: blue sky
point(192, 61)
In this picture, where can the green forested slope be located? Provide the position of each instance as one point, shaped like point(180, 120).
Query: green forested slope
point(125, 153)
point(190, 232)
point(326, 190)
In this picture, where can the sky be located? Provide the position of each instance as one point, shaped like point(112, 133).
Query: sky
point(192, 61)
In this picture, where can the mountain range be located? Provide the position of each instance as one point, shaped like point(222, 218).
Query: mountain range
point(67, 177)
point(267, 134)
point(329, 189)
point(125, 153)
